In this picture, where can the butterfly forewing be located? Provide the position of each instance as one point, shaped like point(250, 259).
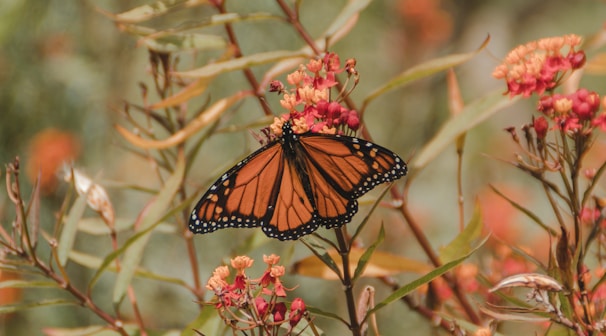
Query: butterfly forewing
point(353, 165)
point(241, 196)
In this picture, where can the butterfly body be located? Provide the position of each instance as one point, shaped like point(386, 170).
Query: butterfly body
point(295, 184)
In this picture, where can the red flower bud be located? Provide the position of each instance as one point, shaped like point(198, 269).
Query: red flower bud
point(297, 309)
point(279, 312)
point(261, 306)
point(540, 127)
point(576, 59)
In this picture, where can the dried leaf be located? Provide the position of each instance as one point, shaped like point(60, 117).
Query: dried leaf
point(379, 264)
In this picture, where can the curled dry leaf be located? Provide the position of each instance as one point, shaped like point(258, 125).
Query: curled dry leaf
point(530, 280)
point(97, 198)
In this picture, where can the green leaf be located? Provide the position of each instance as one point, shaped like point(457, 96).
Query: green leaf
point(367, 254)
point(352, 9)
point(93, 330)
point(94, 262)
point(421, 71)
point(28, 284)
point(208, 322)
point(371, 211)
point(526, 211)
point(473, 114)
point(406, 289)
point(150, 11)
point(185, 42)
point(134, 254)
point(215, 69)
point(8, 309)
point(462, 243)
point(68, 234)
point(321, 252)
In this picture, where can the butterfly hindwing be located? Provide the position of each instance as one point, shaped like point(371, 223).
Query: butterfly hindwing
point(294, 214)
point(341, 169)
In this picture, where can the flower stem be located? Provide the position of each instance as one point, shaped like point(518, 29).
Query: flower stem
point(347, 281)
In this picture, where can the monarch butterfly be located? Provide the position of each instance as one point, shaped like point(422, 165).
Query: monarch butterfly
point(295, 184)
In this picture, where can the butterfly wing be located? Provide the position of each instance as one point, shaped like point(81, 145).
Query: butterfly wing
point(244, 196)
point(294, 215)
point(341, 169)
point(265, 190)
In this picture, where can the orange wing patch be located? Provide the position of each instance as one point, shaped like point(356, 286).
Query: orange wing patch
point(294, 213)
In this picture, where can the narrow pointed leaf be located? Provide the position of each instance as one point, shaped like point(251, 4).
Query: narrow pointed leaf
point(134, 254)
point(150, 11)
point(365, 258)
point(210, 115)
point(406, 289)
point(214, 69)
point(463, 242)
point(28, 284)
point(207, 322)
point(7, 309)
point(192, 90)
point(526, 211)
point(379, 264)
point(423, 70)
point(68, 234)
point(473, 114)
point(185, 42)
point(323, 255)
point(351, 10)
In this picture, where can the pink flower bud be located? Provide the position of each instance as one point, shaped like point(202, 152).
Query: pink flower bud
point(540, 127)
point(279, 312)
point(297, 309)
point(261, 305)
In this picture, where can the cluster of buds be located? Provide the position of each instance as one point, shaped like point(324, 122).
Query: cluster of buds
point(247, 303)
point(538, 67)
point(309, 103)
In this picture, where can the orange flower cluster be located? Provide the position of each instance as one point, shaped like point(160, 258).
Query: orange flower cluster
point(538, 66)
point(308, 102)
point(258, 299)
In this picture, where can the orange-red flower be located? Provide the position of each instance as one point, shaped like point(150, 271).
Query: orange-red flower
point(48, 150)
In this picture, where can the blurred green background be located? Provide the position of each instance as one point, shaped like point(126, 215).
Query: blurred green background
point(65, 66)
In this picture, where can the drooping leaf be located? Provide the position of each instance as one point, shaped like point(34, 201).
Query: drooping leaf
point(326, 257)
point(406, 289)
point(185, 42)
point(94, 262)
point(192, 90)
point(463, 242)
point(472, 114)
point(134, 254)
point(423, 70)
point(8, 309)
point(208, 322)
point(70, 229)
point(93, 330)
point(210, 115)
point(351, 10)
point(365, 257)
point(214, 69)
point(150, 11)
point(28, 284)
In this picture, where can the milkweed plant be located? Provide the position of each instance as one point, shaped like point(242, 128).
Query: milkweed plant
point(203, 87)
